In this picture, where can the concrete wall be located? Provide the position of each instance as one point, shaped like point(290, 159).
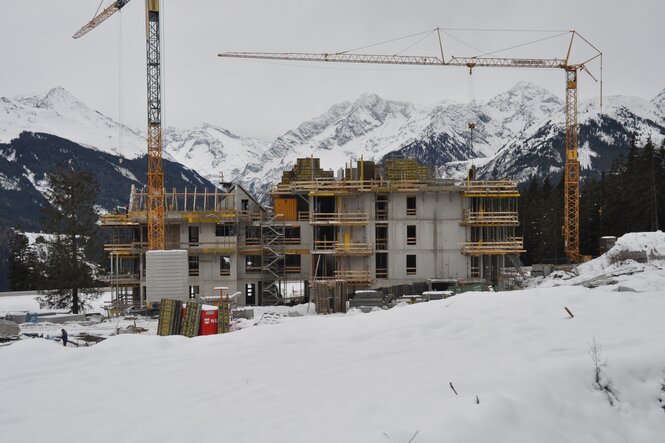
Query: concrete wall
point(438, 237)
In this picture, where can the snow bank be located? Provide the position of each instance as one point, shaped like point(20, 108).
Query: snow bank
point(377, 377)
point(637, 246)
point(636, 263)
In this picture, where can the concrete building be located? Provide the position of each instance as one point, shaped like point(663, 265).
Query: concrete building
point(375, 226)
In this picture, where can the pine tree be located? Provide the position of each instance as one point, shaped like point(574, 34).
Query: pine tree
point(660, 185)
point(25, 273)
point(72, 218)
point(6, 235)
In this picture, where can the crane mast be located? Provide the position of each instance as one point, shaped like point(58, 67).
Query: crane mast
point(155, 194)
point(572, 165)
point(155, 198)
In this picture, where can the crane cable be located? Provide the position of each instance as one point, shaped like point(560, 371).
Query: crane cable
point(416, 42)
point(523, 44)
point(98, 8)
point(162, 67)
point(386, 41)
point(120, 85)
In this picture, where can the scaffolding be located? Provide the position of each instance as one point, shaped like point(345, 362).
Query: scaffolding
point(491, 219)
point(272, 261)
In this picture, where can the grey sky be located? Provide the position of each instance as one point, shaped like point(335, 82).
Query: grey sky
point(264, 99)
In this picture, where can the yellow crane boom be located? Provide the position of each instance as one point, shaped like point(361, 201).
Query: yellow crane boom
point(572, 165)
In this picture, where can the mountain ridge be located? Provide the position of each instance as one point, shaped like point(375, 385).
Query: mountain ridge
point(518, 132)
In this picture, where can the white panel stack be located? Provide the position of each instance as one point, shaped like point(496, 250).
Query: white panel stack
point(167, 275)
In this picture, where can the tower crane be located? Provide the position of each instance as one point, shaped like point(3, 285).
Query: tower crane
point(572, 164)
point(155, 199)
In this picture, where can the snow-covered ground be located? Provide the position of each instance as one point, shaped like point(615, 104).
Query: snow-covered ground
point(521, 366)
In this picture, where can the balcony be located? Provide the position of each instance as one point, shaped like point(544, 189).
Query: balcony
point(118, 220)
point(341, 248)
point(126, 248)
point(121, 279)
point(354, 276)
point(211, 247)
point(339, 218)
point(494, 188)
point(483, 218)
point(512, 245)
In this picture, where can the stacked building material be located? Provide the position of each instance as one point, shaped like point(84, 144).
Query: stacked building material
point(368, 299)
point(406, 169)
point(170, 317)
point(306, 169)
point(224, 317)
point(191, 320)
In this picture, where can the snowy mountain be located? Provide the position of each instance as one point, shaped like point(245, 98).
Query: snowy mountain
point(370, 126)
point(517, 134)
point(211, 150)
point(25, 161)
point(59, 113)
point(603, 136)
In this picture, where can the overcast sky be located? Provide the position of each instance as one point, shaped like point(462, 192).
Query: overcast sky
point(265, 99)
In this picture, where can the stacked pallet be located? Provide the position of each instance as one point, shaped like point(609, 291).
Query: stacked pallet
point(170, 317)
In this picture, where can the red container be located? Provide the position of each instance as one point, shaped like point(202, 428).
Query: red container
point(208, 322)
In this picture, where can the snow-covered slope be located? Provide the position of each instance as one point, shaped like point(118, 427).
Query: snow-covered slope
point(522, 370)
point(59, 113)
point(659, 101)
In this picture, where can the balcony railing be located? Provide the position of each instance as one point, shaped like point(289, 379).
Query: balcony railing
point(125, 248)
point(210, 246)
point(512, 245)
point(353, 249)
point(494, 188)
point(341, 248)
point(121, 279)
point(339, 218)
point(354, 276)
point(494, 218)
point(118, 220)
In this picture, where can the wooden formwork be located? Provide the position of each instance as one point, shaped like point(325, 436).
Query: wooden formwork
point(329, 296)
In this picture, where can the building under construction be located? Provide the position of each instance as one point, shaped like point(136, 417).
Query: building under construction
point(372, 226)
